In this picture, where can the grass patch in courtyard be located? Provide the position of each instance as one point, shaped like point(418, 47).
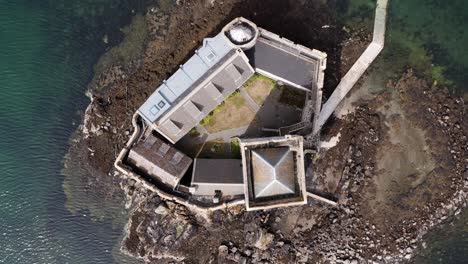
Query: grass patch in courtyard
point(259, 88)
point(208, 120)
point(235, 149)
point(258, 78)
point(236, 98)
point(194, 132)
point(232, 113)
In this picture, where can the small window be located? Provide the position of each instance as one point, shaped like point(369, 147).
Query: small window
point(149, 142)
point(154, 110)
point(176, 158)
point(161, 104)
point(163, 149)
point(211, 56)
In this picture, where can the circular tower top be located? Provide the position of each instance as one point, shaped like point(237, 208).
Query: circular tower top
point(242, 33)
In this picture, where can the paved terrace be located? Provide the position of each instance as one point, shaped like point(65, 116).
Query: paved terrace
point(359, 67)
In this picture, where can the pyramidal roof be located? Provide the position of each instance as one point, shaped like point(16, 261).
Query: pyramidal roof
point(273, 171)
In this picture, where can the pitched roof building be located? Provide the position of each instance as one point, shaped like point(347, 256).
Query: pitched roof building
point(216, 70)
point(159, 160)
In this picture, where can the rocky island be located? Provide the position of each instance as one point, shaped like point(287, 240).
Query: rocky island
point(389, 166)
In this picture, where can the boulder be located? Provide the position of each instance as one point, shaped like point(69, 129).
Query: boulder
point(223, 251)
point(265, 239)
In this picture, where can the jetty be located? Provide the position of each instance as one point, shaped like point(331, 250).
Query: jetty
point(358, 68)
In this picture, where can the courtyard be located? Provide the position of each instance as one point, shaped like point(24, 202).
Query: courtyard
point(259, 108)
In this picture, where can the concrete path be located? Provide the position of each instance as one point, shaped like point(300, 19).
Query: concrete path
point(250, 102)
point(226, 135)
point(359, 67)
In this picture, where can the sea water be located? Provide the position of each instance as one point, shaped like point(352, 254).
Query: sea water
point(47, 53)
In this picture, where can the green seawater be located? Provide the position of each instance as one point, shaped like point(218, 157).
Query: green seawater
point(448, 243)
point(431, 36)
point(47, 53)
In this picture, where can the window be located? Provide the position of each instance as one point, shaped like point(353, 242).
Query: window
point(176, 158)
point(161, 104)
point(154, 110)
point(163, 149)
point(149, 142)
point(211, 56)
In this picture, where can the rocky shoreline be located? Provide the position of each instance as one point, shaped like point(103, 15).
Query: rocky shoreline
point(359, 229)
point(370, 232)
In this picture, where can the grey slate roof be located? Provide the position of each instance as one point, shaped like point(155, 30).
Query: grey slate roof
point(160, 160)
point(212, 51)
point(211, 175)
point(283, 62)
point(273, 171)
point(217, 85)
point(213, 171)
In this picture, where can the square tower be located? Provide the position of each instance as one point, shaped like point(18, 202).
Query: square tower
point(273, 171)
